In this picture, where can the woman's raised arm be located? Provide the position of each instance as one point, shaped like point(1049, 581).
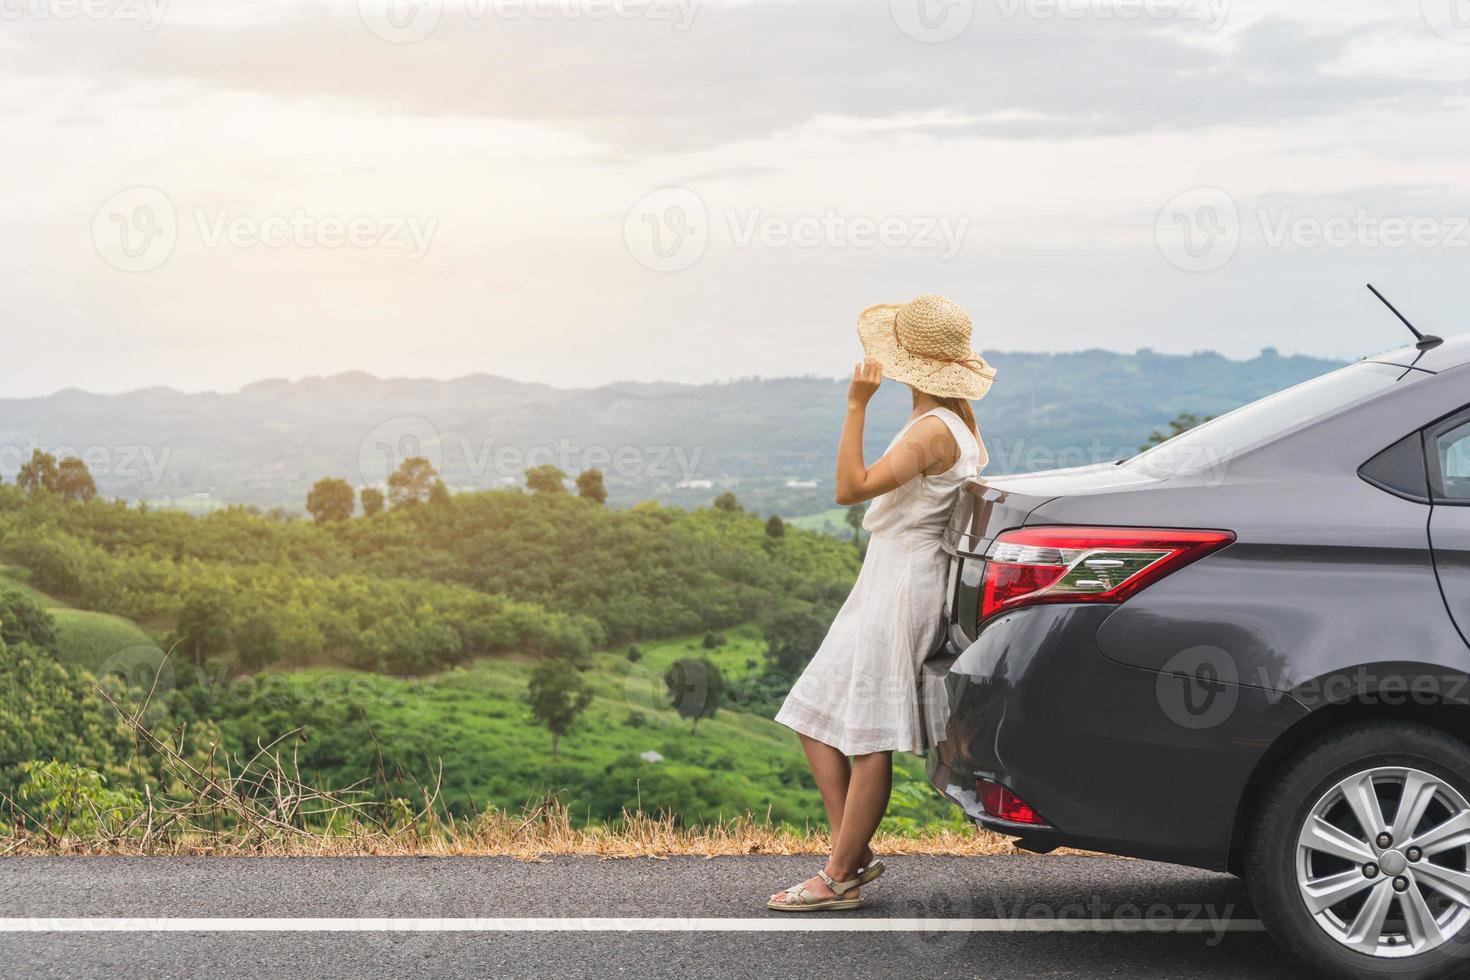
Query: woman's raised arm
point(927, 447)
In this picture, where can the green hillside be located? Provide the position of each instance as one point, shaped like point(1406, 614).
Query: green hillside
point(832, 521)
point(403, 645)
point(18, 579)
point(476, 722)
point(85, 639)
point(473, 724)
point(89, 639)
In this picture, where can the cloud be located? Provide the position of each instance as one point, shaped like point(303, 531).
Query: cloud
point(745, 70)
point(1057, 139)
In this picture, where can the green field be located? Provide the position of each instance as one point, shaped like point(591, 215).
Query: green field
point(402, 646)
point(476, 722)
point(832, 521)
point(14, 577)
point(189, 505)
point(86, 639)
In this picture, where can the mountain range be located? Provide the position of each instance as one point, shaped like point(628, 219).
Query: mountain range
point(769, 440)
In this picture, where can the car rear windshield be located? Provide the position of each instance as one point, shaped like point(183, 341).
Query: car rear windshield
point(1261, 421)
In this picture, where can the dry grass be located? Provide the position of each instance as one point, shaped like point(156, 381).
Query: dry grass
point(544, 830)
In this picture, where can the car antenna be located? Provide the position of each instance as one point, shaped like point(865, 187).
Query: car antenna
point(1423, 341)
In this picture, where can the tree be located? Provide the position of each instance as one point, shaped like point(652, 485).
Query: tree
point(727, 503)
point(372, 501)
point(412, 482)
point(546, 479)
point(793, 635)
point(696, 689)
point(439, 493)
point(330, 499)
point(557, 695)
point(257, 641)
point(23, 621)
point(52, 711)
point(73, 481)
point(1182, 422)
point(854, 520)
point(591, 487)
point(39, 475)
point(401, 643)
point(60, 563)
point(775, 527)
point(206, 618)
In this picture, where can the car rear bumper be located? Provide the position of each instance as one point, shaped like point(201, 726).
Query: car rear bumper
point(1115, 758)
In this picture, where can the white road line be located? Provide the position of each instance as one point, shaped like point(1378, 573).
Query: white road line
point(795, 922)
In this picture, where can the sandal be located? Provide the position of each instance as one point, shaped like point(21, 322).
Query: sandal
point(869, 872)
point(802, 899)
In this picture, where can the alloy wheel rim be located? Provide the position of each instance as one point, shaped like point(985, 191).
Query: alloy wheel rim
point(1383, 862)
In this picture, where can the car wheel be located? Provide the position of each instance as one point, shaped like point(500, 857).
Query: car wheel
point(1358, 859)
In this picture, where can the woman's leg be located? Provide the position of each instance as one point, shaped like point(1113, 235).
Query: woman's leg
point(832, 772)
point(867, 800)
point(868, 786)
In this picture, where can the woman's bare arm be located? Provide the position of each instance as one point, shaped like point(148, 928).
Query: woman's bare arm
point(927, 447)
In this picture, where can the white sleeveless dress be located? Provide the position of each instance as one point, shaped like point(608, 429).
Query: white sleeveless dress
point(860, 691)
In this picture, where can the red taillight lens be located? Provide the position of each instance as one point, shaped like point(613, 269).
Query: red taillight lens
point(1085, 564)
point(1002, 804)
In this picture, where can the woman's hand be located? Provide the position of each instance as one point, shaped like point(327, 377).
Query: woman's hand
point(866, 377)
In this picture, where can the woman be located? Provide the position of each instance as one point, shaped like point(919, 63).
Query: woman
point(858, 697)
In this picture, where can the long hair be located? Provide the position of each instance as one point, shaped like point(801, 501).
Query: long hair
point(961, 407)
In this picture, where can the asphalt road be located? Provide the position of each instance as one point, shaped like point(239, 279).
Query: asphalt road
point(937, 917)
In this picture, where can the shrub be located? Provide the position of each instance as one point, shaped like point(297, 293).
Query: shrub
point(76, 800)
point(23, 621)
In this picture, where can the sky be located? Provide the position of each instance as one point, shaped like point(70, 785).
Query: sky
point(204, 193)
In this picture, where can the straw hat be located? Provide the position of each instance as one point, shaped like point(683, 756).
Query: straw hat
point(926, 343)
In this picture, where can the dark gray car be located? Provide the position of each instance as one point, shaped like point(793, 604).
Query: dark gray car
point(1243, 649)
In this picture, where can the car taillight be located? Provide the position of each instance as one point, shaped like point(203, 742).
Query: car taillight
point(1085, 564)
point(1002, 804)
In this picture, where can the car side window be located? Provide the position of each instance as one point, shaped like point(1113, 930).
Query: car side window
point(1399, 469)
point(1453, 451)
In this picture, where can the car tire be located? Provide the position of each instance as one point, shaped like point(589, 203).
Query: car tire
point(1274, 852)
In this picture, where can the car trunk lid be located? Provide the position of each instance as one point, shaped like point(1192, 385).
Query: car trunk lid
point(989, 506)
